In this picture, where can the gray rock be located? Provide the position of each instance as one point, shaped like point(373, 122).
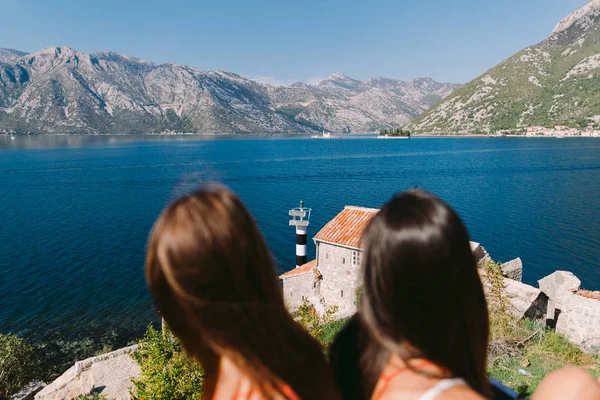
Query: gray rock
point(29, 391)
point(576, 317)
point(110, 374)
point(558, 284)
point(527, 301)
point(513, 269)
point(480, 253)
point(10, 54)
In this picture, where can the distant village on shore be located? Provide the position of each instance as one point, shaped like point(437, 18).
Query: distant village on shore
point(560, 131)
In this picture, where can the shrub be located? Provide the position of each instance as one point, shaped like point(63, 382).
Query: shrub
point(18, 364)
point(330, 331)
point(166, 372)
point(93, 396)
point(502, 322)
point(312, 321)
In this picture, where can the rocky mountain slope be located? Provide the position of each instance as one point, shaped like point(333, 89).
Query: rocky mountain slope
point(10, 54)
point(555, 82)
point(343, 104)
point(61, 90)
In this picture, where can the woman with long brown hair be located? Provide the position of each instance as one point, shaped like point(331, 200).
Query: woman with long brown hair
point(422, 325)
point(214, 282)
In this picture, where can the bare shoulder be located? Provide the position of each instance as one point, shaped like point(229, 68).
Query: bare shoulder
point(461, 392)
point(568, 383)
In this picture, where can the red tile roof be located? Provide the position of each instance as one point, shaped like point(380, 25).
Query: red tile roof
point(347, 227)
point(303, 269)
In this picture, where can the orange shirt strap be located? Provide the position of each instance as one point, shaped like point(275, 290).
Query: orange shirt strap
point(287, 391)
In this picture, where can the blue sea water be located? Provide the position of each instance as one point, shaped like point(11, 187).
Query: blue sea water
point(75, 212)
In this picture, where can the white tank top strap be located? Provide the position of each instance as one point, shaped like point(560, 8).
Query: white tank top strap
point(441, 387)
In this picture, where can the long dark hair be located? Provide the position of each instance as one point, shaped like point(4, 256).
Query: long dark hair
point(214, 282)
point(422, 295)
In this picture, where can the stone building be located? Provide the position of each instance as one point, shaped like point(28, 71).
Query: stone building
point(571, 312)
point(333, 279)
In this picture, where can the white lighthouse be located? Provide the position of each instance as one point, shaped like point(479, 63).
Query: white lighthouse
point(300, 219)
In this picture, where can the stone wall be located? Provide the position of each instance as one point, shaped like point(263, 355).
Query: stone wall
point(335, 283)
point(109, 374)
point(297, 288)
point(340, 278)
point(576, 317)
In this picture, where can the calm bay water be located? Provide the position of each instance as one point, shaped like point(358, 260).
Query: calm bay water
point(75, 212)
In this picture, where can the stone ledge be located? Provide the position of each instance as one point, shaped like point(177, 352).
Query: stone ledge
point(527, 301)
point(74, 376)
point(513, 269)
point(83, 365)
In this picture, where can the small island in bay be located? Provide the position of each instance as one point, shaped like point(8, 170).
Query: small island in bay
point(397, 133)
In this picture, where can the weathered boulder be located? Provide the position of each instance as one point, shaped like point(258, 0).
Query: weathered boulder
point(558, 284)
point(576, 317)
point(513, 269)
point(527, 301)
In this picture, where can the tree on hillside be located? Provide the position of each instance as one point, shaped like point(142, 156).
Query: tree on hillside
point(18, 364)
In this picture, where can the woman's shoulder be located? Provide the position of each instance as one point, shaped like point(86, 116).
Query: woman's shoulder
point(460, 392)
point(448, 389)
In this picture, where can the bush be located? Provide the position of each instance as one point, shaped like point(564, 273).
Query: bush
point(502, 321)
point(166, 372)
point(330, 331)
point(312, 321)
point(18, 364)
point(93, 396)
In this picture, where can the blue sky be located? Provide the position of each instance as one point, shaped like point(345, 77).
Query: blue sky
point(286, 41)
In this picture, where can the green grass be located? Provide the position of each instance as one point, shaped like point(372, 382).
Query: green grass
point(547, 351)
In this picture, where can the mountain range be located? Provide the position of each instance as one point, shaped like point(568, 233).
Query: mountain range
point(61, 90)
point(555, 82)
